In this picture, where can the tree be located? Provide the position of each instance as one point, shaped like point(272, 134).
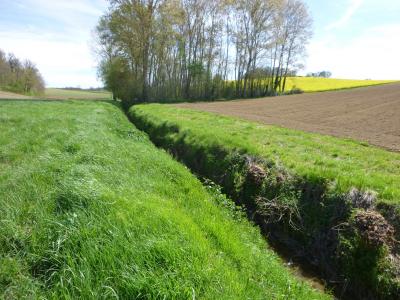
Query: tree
point(19, 77)
point(323, 74)
point(31, 79)
point(297, 32)
point(192, 49)
point(252, 33)
point(5, 70)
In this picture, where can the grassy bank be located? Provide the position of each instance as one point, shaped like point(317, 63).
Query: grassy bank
point(312, 84)
point(91, 209)
point(314, 191)
point(347, 163)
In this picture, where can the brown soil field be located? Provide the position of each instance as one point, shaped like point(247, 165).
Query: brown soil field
point(8, 95)
point(370, 114)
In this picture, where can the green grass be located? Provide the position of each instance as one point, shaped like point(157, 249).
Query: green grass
point(311, 84)
point(76, 94)
point(90, 209)
point(343, 162)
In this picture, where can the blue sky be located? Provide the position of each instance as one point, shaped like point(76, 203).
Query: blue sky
point(352, 38)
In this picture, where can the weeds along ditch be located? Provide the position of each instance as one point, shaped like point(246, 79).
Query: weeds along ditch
point(346, 226)
point(91, 209)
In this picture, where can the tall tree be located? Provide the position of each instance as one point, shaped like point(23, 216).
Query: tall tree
point(192, 49)
point(19, 77)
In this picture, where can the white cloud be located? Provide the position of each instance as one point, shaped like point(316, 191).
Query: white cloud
point(371, 55)
point(352, 8)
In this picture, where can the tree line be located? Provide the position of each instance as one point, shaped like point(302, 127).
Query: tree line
point(19, 76)
point(161, 50)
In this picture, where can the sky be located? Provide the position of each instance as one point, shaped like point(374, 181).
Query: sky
point(354, 39)
point(56, 35)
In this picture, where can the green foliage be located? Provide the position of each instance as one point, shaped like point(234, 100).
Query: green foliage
point(119, 80)
point(367, 266)
point(90, 209)
point(196, 69)
point(19, 77)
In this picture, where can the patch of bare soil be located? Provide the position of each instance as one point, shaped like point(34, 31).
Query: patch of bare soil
point(8, 95)
point(370, 114)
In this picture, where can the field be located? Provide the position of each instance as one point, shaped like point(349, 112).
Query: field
point(9, 95)
point(91, 209)
point(312, 84)
point(61, 94)
point(369, 114)
point(64, 94)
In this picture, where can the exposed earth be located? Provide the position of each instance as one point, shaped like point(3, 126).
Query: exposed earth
point(370, 114)
point(8, 95)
